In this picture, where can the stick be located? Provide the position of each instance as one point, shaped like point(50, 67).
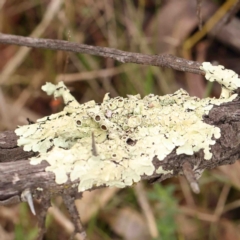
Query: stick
point(164, 60)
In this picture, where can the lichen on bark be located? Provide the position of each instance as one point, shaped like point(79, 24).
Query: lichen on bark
point(126, 133)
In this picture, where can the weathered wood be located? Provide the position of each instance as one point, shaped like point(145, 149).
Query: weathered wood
point(16, 174)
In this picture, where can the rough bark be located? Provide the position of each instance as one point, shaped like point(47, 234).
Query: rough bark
point(16, 174)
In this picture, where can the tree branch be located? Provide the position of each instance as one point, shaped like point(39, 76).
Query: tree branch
point(14, 178)
point(164, 60)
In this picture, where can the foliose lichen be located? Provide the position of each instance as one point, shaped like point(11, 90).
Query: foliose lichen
point(228, 79)
point(128, 133)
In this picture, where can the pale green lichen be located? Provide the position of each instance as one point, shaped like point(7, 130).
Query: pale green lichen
point(128, 133)
point(226, 77)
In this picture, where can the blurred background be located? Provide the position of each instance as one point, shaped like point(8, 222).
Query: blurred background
point(161, 211)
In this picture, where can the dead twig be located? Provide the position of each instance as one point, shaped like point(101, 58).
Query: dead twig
point(164, 60)
point(190, 176)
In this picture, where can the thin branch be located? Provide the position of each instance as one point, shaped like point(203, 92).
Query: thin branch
point(189, 174)
point(45, 205)
point(164, 60)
